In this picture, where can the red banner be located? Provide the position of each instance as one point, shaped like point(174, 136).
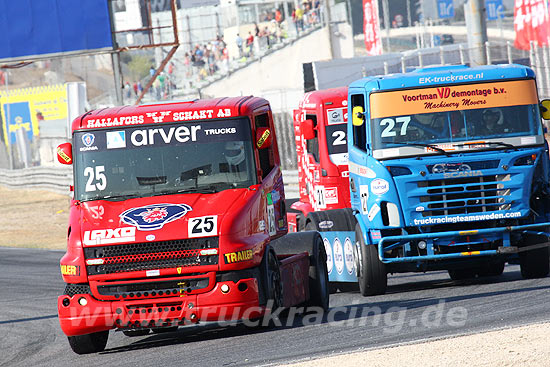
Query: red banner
point(531, 23)
point(371, 27)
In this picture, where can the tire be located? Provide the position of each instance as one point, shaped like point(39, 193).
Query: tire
point(534, 263)
point(371, 274)
point(271, 277)
point(89, 343)
point(462, 274)
point(136, 332)
point(318, 276)
point(492, 269)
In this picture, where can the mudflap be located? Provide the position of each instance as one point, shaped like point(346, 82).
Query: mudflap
point(337, 228)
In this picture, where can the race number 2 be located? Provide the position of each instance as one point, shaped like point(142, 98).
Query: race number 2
point(203, 226)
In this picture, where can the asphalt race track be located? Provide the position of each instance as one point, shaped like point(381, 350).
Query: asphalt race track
point(417, 307)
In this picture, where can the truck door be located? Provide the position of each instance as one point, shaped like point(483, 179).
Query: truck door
point(272, 180)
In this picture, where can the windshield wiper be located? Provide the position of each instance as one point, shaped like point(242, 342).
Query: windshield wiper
point(199, 190)
point(499, 143)
point(431, 146)
point(115, 197)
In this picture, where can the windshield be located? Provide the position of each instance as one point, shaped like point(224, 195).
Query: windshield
point(477, 116)
point(163, 159)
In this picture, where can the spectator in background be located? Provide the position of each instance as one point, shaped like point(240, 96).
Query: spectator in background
point(249, 45)
point(239, 40)
point(278, 16)
point(128, 90)
point(152, 71)
point(135, 87)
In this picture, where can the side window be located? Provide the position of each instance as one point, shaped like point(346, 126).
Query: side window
point(312, 145)
point(359, 132)
point(267, 161)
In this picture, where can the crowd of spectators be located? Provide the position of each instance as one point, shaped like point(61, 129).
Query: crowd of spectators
point(207, 59)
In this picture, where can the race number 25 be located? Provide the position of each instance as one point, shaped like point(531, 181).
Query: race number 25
point(96, 179)
point(203, 226)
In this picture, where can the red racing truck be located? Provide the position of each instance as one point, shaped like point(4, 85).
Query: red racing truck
point(178, 217)
point(320, 128)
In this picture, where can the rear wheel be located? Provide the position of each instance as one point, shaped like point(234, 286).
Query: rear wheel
point(89, 343)
point(371, 272)
point(534, 263)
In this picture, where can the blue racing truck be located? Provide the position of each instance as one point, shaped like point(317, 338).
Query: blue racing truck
point(449, 170)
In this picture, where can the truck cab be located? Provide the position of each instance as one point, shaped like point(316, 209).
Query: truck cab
point(449, 170)
point(320, 128)
point(178, 217)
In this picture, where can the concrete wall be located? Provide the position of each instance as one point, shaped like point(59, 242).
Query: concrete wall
point(281, 70)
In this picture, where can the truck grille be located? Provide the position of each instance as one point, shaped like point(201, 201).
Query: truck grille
point(464, 195)
point(151, 255)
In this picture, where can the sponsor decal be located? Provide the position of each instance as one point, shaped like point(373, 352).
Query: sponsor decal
point(326, 224)
point(261, 225)
point(115, 121)
point(178, 269)
point(331, 195)
point(263, 138)
point(221, 131)
point(373, 211)
point(361, 170)
point(375, 234)
point(63, 155)
point(453, 97)
point(181, 134)
point(155, 216)
point(109, 236)
point(116, 139)
point(348, 255)
point(88, 141)
point(379, 186)
point(72, 270)
point(420, 209)
point(234, 257)
point(152, 273)
point(345, 174)
point(328, 250)
point(150, 237)
point(158, 116)
point(338, 256)
point(335, 116)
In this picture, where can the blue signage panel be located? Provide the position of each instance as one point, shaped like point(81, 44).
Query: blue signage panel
point(445, 9)
point(18, 116)
point(495, 9)
point(32, 28)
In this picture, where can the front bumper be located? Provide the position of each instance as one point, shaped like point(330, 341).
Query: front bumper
point(83, 314)
point(401, 241)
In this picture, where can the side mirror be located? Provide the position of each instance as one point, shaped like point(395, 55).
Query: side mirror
point(358, 117)
point(263, 138)
point(65, 153)
point(308, 131)
point(545, 109)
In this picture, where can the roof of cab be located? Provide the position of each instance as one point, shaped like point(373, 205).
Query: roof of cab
point(165, 112)
point(443, 75)
point(312, 99)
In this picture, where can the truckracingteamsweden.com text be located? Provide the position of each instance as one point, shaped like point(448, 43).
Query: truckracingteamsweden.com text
point(467, 218)
point(391, 319)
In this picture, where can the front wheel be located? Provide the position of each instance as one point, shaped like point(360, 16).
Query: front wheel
point(89, 343)
point(534, 263)
point(318, 276)
point(371, 273)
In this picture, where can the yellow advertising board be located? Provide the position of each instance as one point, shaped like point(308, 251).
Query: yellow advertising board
point(452, 98)
point(24, 107)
